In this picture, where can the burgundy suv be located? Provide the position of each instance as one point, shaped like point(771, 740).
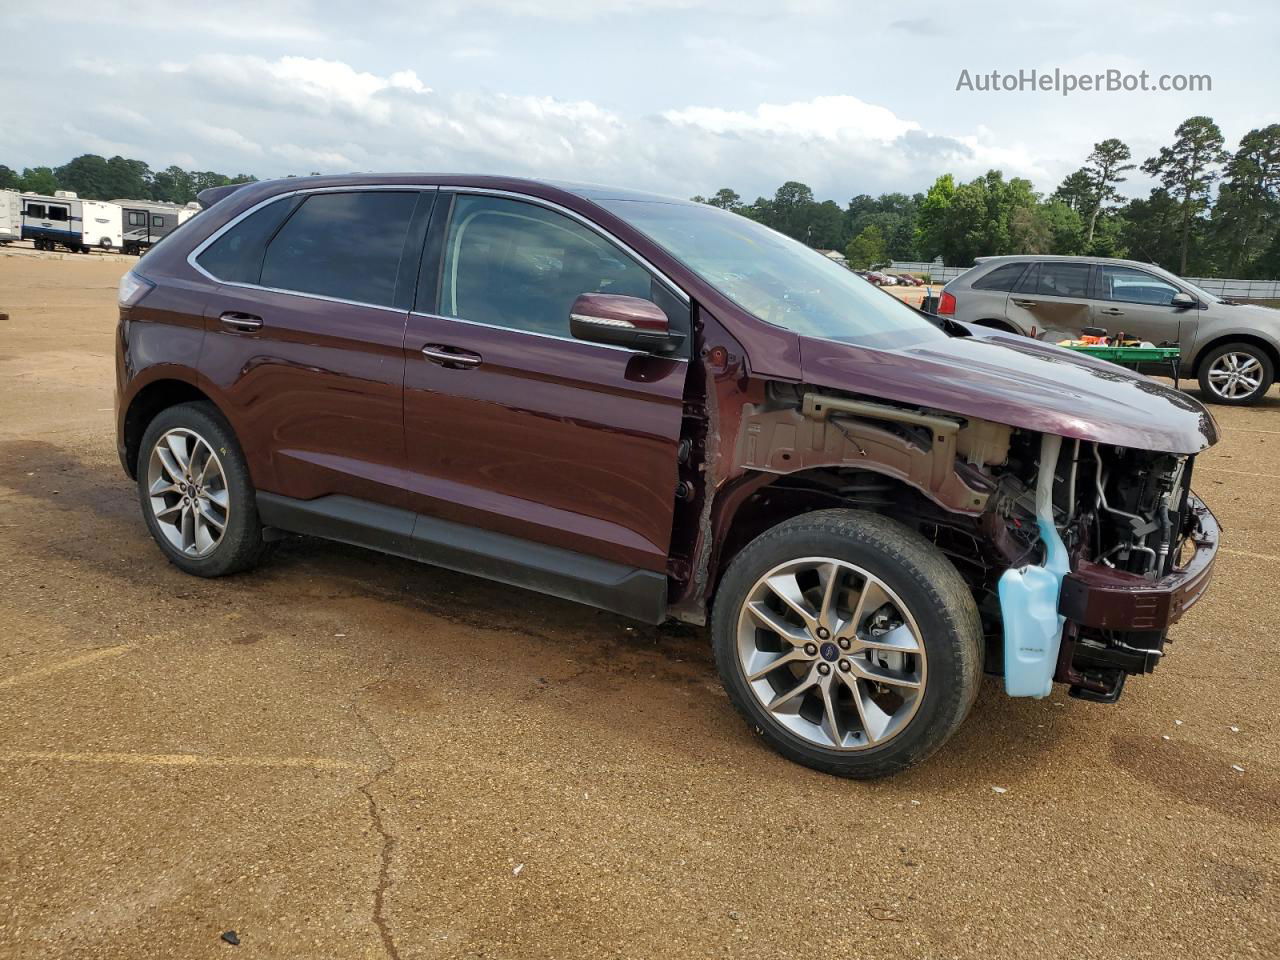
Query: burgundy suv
point(664, 410)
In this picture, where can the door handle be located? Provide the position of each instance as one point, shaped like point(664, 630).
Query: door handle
point(1111, 312)
point(240, 321)
point(451, 357)
point(1026, 304)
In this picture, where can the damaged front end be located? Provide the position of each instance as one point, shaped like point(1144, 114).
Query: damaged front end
point(1079, 553)
point(1115, 549)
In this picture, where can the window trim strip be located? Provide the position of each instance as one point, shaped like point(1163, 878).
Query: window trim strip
point(421, 188)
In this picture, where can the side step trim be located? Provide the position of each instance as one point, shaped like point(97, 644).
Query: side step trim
point(630, 591)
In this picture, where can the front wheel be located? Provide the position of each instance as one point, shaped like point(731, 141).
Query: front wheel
point(849, 642)
point(1236, 373)
point(196, 496)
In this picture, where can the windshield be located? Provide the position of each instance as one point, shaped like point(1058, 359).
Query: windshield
point(773, 277)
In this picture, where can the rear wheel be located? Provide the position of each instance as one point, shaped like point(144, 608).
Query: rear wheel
point(1236, 373)
point(195, 492)
point(849, 642)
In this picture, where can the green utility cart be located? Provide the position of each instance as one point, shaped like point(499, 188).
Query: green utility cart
point(1133, 357)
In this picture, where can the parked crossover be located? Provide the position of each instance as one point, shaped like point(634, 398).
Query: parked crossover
point(1231, 348)
point(667, 411)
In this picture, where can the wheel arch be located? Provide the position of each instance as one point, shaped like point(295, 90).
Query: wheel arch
point(1221, 340)
point(147, 404)
point(761, 501)
point(998, 323)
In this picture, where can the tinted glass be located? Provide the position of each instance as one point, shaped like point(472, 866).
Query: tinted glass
point(1001, 278)
point(59, 213)
point(236, 256)
point(1136, 286)
point(344, 245)
point(773, 277)
point(1062, 280)
point(518, 265)
point(36, 210)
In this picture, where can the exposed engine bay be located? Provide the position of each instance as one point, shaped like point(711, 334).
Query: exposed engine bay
point(1115, 508)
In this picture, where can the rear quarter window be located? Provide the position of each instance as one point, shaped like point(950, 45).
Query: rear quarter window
point(236, 256)
point(1003, 277)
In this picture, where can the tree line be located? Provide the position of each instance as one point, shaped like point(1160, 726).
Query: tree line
point(1183, 224)
point(97, 178)
point(1214, 213)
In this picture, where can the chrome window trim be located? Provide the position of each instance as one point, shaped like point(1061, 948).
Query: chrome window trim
point(208, 241)
point(276, 198)
point(546, 336)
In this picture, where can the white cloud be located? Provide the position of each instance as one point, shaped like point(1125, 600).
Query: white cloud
point(724, 53)
point(826, 118)
point(225, 137)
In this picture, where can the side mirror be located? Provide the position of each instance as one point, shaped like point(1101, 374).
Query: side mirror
point(1183, 300)
point(622, 322)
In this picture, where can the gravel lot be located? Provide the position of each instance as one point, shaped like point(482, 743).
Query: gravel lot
point(348, 755)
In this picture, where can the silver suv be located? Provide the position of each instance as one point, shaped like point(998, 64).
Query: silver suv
point(1232, 348)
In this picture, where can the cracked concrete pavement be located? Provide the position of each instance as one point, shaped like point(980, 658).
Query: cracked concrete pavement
point(348, 755)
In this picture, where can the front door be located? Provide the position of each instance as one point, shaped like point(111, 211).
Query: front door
point(511, 424)
point(305, 339)
point(1139, 304)
point(1051, 301)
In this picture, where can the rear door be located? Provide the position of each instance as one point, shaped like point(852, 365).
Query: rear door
point(305, 338)
point(1139, 304)
point(1051, 301)
point(531, 433)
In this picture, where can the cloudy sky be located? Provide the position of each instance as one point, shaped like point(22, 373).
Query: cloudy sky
point(679, 96)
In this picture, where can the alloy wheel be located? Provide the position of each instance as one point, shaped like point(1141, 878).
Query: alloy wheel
point(1235, 375)
point(831, 653)
point(187, 492)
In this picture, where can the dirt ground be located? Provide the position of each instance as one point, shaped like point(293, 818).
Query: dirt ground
point(347, 755)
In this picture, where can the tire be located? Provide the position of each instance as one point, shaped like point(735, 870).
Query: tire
point(105, 244)
point(239, 545)
point(1236, 374)
point(924, 596)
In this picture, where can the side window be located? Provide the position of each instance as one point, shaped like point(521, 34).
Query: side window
point(60, 214)
point(36, 210)
point(1136, 286)
point(519, 265)
point(1063, 279)
point(344, 245)
point(137, 218)
point(157, 221)
point(1001, 278)
point(236, 256)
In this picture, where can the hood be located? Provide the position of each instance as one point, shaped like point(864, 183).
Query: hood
point(1248, 315)
point(1019, 382)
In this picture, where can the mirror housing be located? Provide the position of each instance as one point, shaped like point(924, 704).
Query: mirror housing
point(622, 322)
point(1181, 299)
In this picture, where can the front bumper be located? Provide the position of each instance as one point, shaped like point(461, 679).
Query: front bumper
point(1103, 598)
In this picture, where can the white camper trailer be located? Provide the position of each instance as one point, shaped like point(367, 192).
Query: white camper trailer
point(146, 222)
point(10, 216)
point(64, 219)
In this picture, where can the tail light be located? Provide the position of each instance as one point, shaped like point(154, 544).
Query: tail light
point(133, 288)
point(946, 305)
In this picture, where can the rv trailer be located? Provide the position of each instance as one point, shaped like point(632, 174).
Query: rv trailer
point(147, 221)
point(10, 216)
point(64, 219)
